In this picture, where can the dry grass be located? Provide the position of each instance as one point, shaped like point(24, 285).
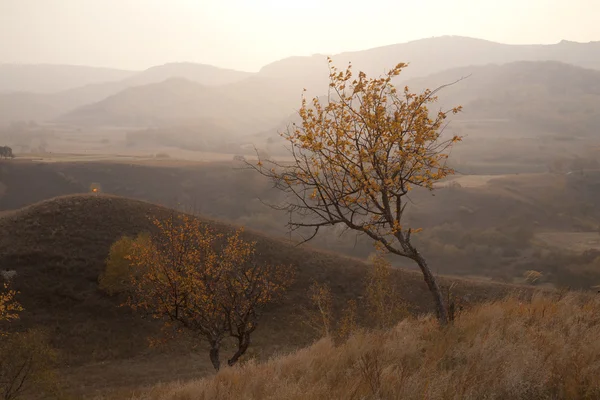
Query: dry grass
point(546, 348)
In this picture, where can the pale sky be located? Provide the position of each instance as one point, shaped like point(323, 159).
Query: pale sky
point(247, 34)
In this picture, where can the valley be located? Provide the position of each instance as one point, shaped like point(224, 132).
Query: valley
point(505, 220)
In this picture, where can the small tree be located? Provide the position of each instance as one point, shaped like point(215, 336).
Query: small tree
point(6, 152)
point(116, 277)
point(356, 159)
point(382, 301)
point(185, 279)
point(26, 358)
point(320, 318)
point(9, 307)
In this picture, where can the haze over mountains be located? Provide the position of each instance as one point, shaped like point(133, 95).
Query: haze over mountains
point(247, 103)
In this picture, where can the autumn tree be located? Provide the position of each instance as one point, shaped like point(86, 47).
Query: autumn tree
point(320, 318)
point(9, 307)
point(206, 283)
point(116, 277)
point(357, 156)
point(26, 358)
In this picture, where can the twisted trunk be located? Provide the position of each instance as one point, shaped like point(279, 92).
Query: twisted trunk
point(434, 288)
point(243, 343)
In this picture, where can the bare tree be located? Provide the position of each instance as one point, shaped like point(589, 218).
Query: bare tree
point(357, 157)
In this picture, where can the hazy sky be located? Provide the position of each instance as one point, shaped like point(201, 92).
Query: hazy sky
point(247, 34)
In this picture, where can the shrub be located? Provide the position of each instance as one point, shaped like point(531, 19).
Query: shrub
point(117, 273)
point(26, 365)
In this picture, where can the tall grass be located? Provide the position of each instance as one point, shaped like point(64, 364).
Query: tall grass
point(544, 348)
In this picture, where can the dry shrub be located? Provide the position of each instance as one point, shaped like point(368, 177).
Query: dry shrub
point(545, 348)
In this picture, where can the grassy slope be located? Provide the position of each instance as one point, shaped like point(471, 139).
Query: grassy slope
point(543, 349)
point(58, 248)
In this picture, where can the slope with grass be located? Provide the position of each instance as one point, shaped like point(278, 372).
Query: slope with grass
point(515, 349)
point(58, 248)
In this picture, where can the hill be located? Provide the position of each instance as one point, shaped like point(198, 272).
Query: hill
point(484, 225)
point(48, 78)
point(240, 107)
point(58, 248)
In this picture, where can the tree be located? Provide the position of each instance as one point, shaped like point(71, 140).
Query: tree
point(357, 156)
point(9, 307)
point(382, 301)
point(206, 283)
point(26, 358)
point(6, 152)
point(116, 277)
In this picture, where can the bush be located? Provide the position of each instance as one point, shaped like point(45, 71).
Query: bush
point(26, 366)
point(116, 276)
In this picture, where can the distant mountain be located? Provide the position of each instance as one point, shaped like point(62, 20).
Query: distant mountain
point(430, 56)
point(248, 103)
point(528, 98)
point(543, 97)
point(201, 73)
point(41, 107)
point(236, 108)
point(47, 78)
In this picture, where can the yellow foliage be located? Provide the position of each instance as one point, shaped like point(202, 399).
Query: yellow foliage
point(116, 275)
point(532, 276)
point(348, 323)
point(207, 283)
point(9, 307)
point(385, 306)
point(356, 156)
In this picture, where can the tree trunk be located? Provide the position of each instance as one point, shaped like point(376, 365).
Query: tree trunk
point(243, 343)
point(214, 355)
point(438, 299)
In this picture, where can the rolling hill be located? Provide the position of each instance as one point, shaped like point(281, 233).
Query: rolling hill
point(58, 248)
point(240, 107)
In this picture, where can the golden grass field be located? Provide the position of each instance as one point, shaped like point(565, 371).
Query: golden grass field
point(513, 349)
